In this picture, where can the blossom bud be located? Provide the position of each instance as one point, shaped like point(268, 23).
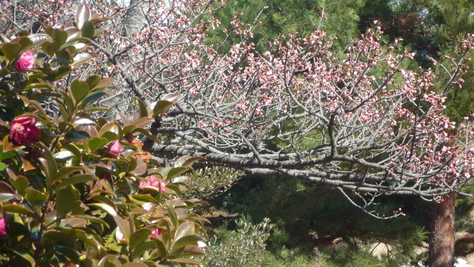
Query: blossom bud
point(25, 62)
point(24, 131)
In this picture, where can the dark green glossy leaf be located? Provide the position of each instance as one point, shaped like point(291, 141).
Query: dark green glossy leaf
point(35, 197)
point(71, 254)
point(11, 51)
point(60, 36)
point(161, 245)
point(170, 173)
point(92, 219)
point(110, 136)
point(142, 108)
point(49, 166)
point(66, 171)
point(91, 98)
point(79, 90)
point(19, 210)
point(134, 264)
point(186, 261)
point(38, 86)
point(80, 178)
point(75, 135)
point(106, 205)
point(79, 208)
point(88, 29)
point(50, 47)
point(65, 199)
point(22, 254)
point(147, 134)
point(93, 80)
point(25, 43)
point(139, 237)
point(141, 248)
point(59, 238)
point(97, 143)
point(172, 215)
point(143, 198)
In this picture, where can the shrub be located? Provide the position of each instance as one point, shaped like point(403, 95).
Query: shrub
point(76, 189)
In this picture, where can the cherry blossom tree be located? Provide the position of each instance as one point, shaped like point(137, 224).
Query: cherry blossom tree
point(365, 121)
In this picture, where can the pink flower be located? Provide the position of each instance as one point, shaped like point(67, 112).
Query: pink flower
point(115, 148)
point(3, 225)
point(24, 131)
point(25, 62)
point(155, 233)
point(152, 182)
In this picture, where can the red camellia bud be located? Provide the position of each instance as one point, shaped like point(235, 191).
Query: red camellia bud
point(3, 225)
point(115, 148)
point(25, 62)
point(24, 131)
point(155, 233)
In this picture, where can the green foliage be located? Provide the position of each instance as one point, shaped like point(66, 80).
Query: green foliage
point(345, 256)
point(210, 182)
point(284, 17)
point(306, 217)
point(242, 247)
point(70, 194)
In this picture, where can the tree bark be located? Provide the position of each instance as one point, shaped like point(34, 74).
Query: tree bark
point(442, 231)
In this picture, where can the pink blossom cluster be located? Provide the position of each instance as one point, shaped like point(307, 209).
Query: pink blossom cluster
point(152, 182)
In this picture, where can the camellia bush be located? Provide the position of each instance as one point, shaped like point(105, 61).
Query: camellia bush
point(76, 189)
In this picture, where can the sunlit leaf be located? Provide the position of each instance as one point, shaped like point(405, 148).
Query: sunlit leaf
point(161, 106)
point(105, 82)
point(35, 197)
point(19, 210)
point(184, 229)
point(83, 14)
point(79, 90)
point(81, 58)
point(187, 161)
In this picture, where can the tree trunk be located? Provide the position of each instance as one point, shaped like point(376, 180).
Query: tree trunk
point(442, 232)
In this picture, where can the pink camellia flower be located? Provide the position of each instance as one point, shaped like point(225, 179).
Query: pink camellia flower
point(115, 148)
point(3, 225)
point(24, 131)
point(155, 233)
point(152, 182)
point(25, 62)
